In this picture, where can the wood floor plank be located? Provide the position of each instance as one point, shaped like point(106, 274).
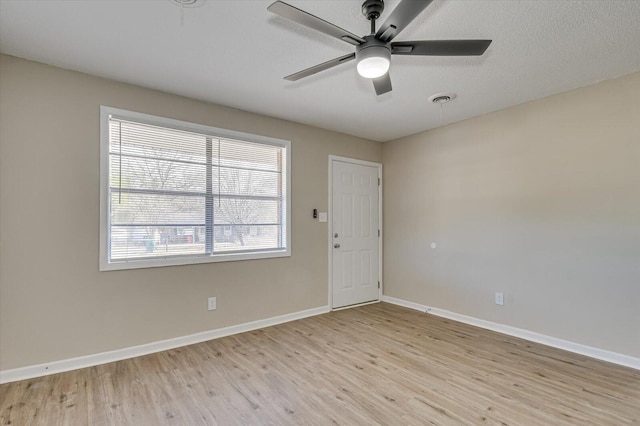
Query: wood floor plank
point(375, 364)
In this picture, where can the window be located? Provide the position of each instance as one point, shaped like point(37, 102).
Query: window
point(175, 193)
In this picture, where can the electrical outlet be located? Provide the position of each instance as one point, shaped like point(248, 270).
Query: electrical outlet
point(499, 298)
point(212, 304)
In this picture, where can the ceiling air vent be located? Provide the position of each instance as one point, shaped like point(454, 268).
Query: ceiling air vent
point(187, 3)
point(442, 98)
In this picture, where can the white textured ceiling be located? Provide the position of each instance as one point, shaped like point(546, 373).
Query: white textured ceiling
point(236, 53)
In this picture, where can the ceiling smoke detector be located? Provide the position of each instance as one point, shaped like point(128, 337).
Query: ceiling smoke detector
point(187, 3)
point(442, 98)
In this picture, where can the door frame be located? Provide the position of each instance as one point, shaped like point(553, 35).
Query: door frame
point(332, 160)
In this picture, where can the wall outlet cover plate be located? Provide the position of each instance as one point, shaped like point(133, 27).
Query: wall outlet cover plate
point(211, 303)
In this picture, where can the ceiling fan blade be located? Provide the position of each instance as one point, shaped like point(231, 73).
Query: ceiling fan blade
point(308, 20)
point(402, 15)
point(440, 47)
point(382, 84)
point(320, 67)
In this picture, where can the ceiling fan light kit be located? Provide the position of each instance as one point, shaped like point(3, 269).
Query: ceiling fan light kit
point(373, 57)
point(373, 51)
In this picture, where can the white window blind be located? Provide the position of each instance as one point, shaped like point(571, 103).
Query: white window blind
point(192, 194)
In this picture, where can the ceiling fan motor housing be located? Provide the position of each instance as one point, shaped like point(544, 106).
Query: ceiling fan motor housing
point(372, 47)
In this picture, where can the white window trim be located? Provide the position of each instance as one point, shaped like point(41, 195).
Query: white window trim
point(106, 265)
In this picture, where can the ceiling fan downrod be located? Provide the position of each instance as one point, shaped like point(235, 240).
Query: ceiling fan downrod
point(372, 9)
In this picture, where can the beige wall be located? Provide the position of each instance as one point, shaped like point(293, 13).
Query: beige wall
point(540, 201)
point(54, 304)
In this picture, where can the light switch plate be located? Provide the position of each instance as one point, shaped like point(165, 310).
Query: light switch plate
point(322, 217)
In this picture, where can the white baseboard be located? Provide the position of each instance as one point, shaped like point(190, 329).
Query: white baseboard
point(54, 367)
point(601, 354)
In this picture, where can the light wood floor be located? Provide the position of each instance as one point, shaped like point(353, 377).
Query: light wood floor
point(377, 364)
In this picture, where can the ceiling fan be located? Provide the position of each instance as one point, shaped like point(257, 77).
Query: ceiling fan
point(373, 51)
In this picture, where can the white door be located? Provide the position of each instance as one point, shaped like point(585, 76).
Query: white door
point(354, 233)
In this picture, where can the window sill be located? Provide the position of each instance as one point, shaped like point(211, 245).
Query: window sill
point(158, 262)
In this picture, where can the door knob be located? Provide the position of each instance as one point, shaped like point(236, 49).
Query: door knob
point(336, 245)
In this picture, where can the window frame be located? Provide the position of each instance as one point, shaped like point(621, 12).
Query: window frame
point(106, 264)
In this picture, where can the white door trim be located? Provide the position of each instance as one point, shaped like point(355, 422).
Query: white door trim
point(332, 159)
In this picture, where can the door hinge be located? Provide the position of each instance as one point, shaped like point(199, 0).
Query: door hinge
point(378, 284)
point(378, 233)
point(378, 181)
